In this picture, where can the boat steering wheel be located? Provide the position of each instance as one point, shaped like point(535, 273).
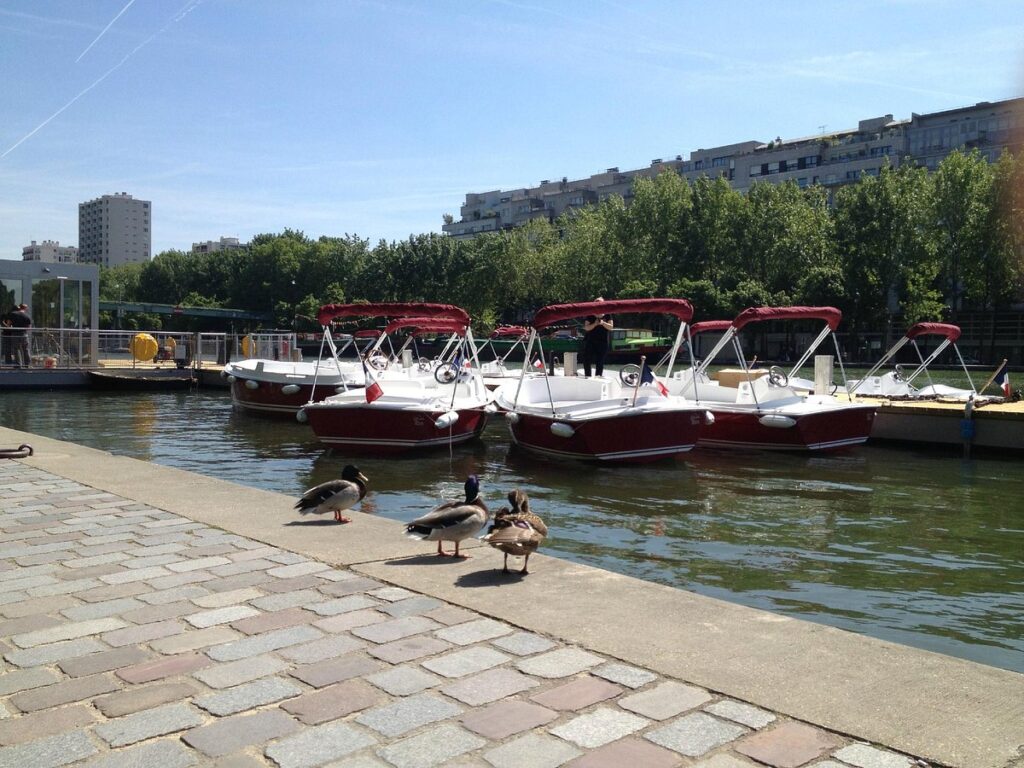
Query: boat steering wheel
point(377, 361)
point(446, 373)
point(777, 377)
point(630, 375)
point(423, 364)
point(898, 374)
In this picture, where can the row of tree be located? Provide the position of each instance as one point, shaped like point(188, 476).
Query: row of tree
point(926, 245)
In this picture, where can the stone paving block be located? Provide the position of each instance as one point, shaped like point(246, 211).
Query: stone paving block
point(402, 681)
point(58, 694)
point(176, 580)
point(161, 668)
point(562, 662)
point(410, 648)
point(241, 760)
point(288, 558)
point(244, 566)
point(65, 588)
point(298, 569)
point(143, 633)
point(347, 621)
point(665, 700)
point(489, 686)
point(532, 751)
point(788, 745)
point(414, 606)
point(404, 715)
point(27, 624)
point(223, 599)
point(695, 735)
point(600, 727)
point(392, 594)
point(241, 671)
point(43, 605)
point(623, 674)
point(51, 752)
point(318, 746)
point(523, 643)
point(472, 632)
point(197, 564)
point(96, 559)
point(264, 643)
point(350, 586)
point(147, 562)
point(159, 612)
point(148, 723)
point(628, 752)
point(395, 629)
point(174, 594)
point(745, 714)
point(280, 601)
point(578, 694)
point(336, 670)
point(113, 592)
point(276, 586)
point(342, 605)
point(224, 615)
point(730, 760)
point(138, 698)
point(25, 679)
point(104, 661)
point(54, 652)
point(866, 756)
point(159, 549)
point(195, 640)
point(237, 732)
point(507, 718)
point(141, 574)
point(166, 753)
point(42, 724)
point(68, 631)
point(450, 614)
point(333, 702)
point(320, 650)
point(89, 573)
point(466, 662)
point(101, 609)
point(265, 622)
point(248, 696)
point(436, 746)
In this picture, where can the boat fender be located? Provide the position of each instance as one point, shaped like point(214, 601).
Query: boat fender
point(709, 418)
point(223, 373)
point(490, 408)
point(340, 390)
point(290, 389)
point(777, 420)
point(300, 416)
point(446, 419)
point(512, 418)
point(232, 379)
point(559, 429)
point(252, 384)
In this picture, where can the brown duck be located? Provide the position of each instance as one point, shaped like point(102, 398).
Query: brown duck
point(517, 531)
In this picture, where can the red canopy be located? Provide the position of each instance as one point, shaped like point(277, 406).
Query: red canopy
point(427, 325)
point(951, 332)
point(710, 325)
point(330, 312)
point(509, 330)
point(830, 315)
point(552, 314)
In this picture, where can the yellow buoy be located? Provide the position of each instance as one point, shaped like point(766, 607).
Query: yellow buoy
point(143, 346)
point(247, 345)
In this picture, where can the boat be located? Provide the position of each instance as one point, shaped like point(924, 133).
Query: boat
point(140, 378)
point(407, 408)
point(628, 344)
point(771, 409)
point(281, 387)
point(600, 418)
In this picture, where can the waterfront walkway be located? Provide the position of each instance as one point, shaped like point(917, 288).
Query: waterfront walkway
point(152, 617)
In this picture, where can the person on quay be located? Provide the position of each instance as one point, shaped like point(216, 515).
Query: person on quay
point(20, 321)
point(6, 339)
point(595, 341)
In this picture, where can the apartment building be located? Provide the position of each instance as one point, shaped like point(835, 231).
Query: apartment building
point(830, 159)
point(50, 252)
point(216, 246)
point(114, 230)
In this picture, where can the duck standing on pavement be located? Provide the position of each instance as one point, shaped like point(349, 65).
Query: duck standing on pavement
point(517, 531)
point(454, 521)
point(335, 495)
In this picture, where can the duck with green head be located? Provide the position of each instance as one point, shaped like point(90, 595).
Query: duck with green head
point(454, 521)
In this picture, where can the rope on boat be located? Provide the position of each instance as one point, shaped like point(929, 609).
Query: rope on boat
point(23, 451)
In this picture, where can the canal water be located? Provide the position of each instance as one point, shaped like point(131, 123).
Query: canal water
point(904, 544)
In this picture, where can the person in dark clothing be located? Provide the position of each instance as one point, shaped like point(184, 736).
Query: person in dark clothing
point(21, 321)
point(6, 339)
point(595, 341)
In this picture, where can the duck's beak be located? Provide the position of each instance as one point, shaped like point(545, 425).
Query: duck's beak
point(363, 478)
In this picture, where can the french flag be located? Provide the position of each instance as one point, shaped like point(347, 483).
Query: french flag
point(372, 388)
point(1003, 380)
point(538, 363)
point(647, 377)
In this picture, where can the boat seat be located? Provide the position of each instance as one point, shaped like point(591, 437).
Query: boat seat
point(567, 390)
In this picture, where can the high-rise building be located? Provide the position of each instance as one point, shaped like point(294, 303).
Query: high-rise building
point(115, 229)
point(215, 246)
point(51, 252)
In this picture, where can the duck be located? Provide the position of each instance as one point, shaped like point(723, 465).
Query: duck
point(454, 521)
point(517, 531)
point(335, 495)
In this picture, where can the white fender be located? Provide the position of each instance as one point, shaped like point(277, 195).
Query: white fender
point(232, 379)
point(290, 389)
point(300, 416)
point(252, 384)
point(777, 420)
point(223, 373)
point(709, 418)
point(341, 390)
point(490, 408)
point(512, 417)
point(559, 429)
point(446, 420)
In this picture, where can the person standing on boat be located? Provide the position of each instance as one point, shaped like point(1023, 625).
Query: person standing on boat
point(21, 321)
point(595, 341)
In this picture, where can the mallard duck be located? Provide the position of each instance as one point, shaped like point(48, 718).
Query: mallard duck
point(335, 495)
point(517, 531)
point(454, 521)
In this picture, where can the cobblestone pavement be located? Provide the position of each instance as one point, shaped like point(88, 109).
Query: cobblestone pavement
point(132, 636)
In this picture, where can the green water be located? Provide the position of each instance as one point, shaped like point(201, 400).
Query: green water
point(914, 546)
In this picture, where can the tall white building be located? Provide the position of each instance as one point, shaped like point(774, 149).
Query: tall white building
point(215, 246)
point(115, 229)
point(51, 252)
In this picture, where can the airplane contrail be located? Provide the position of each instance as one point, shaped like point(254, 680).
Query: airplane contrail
point(101, 34)
point(185, 10)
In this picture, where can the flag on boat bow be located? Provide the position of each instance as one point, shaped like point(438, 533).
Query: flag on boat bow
point(538, 363)
point(647, 377)
point(372, 388)
point(1002, 379)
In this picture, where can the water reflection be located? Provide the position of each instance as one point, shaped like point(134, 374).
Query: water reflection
point(907, 545)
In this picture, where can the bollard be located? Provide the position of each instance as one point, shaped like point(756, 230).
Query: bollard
point(823, 374)
point(569, 367)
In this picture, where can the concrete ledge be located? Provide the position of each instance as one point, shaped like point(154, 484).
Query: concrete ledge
point(947, 710)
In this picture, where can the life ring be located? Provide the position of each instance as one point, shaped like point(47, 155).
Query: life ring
point(23, 451)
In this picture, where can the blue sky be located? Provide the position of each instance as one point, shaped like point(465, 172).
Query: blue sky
point(376, 117)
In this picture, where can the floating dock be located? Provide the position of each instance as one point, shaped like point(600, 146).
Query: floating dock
point(935, 422)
